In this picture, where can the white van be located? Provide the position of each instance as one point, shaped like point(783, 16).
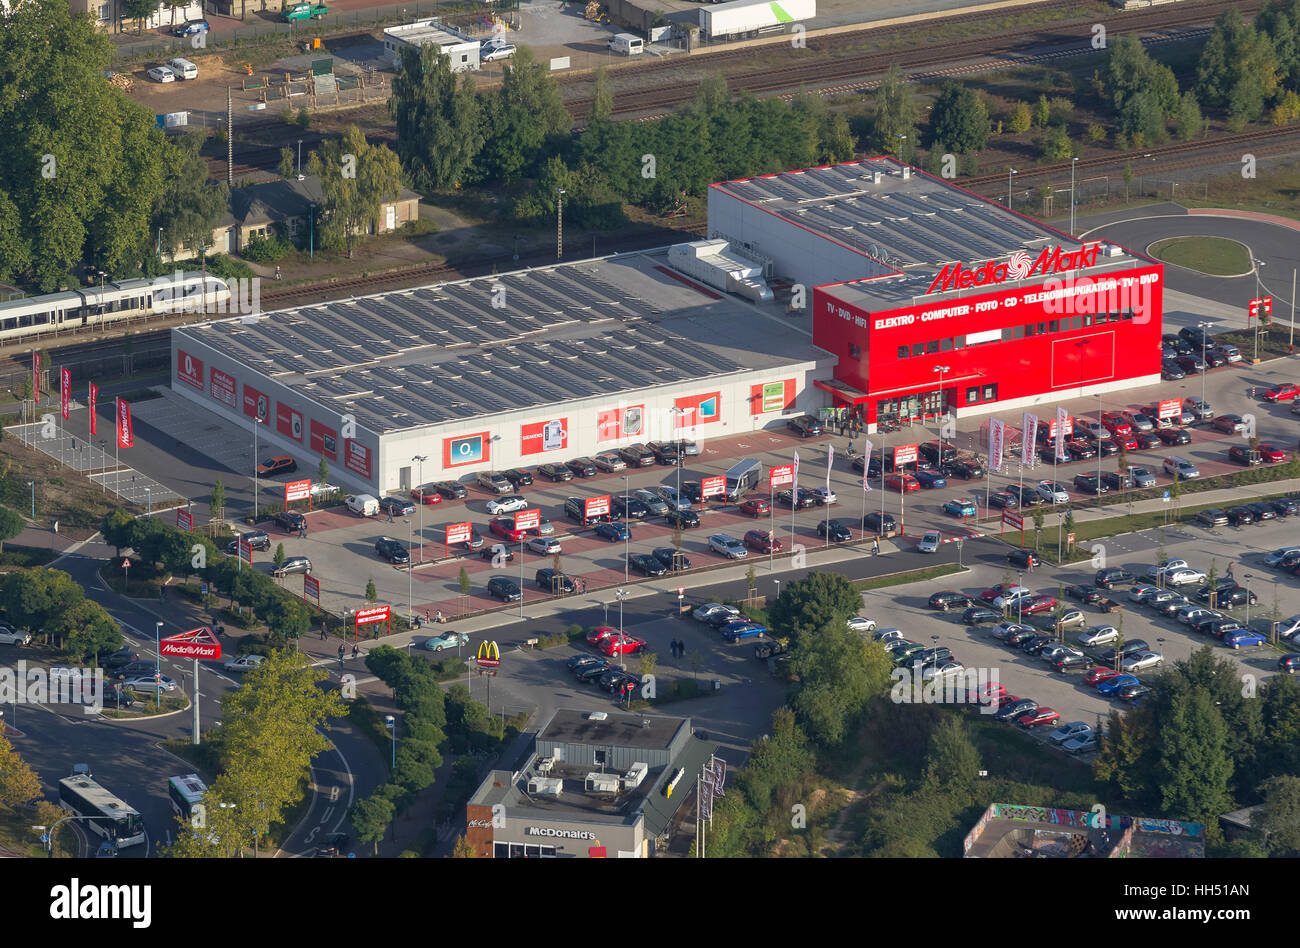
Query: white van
point(363, 505)
point(184, 69)
point(628, 44)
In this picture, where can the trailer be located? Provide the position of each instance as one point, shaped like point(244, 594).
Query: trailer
point(745, 17)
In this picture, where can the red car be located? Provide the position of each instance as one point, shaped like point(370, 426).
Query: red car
point(1282, 393)
point(1272, 453)
point(598, 635)
point(761, 541)
point(1096, 676)
point(902, 482)
point(622, 645)
point(504, 527)
point(1126, 441)
point(989, 693)
point(1115, 423)
point(425, 495)
point(1039, 604)
point(755, 508)
point(1037, 717)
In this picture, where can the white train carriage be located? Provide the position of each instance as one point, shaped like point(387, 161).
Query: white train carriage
point(95, 306)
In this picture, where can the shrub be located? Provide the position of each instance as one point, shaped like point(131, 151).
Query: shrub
point(266, 249)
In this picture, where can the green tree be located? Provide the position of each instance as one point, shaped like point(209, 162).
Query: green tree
point(952, 763)
point(1280, 21)
point(192, 201)
point(438, 117)
point(11, 524)
point(371, 593)
point(1130, 73)
point(1279, 819)
point(1038, 524)
point(1042, 112)
point(371, 817)
point(39, 598)
point(1238, 68)
point(960, 119)
point(1189, 117)
point(894, 131)
point(288, 618)
point(602, 97)
point(1054, 144)
point(1021, 118)
point(838, 672)
point(286, 167)
point(86, 631)
point(463, 849)
point(1195, 768)
point(522, 116)
point(356, 179)
point(779, 766)
point(19, 784)
point(278, 558)
point(809, 604)
point(217, 499)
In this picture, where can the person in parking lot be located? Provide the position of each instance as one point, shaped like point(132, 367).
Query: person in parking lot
point(390, 514)
point(875, 546)
point(355, 651)
point(302, 530)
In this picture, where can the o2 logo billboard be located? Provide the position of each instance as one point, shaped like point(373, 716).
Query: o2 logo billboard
point(466, 449)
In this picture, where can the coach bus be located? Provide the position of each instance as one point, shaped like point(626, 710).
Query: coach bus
point(108, 816)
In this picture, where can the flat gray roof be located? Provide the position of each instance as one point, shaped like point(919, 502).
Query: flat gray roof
point(618, 729)
point(914, 225)
point(457, 351)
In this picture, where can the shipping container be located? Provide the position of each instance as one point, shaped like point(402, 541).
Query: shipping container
point(752, 16)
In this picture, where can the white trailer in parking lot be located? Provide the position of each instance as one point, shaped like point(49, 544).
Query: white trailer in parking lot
point(754, 16)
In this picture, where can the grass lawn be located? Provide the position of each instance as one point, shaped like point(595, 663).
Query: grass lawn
point(1216, 256)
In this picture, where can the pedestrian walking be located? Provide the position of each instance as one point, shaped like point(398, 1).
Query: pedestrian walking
point(322, 632)
point(302, 530)
point(340, 651)
point(875, 546)
point(162, 590)
point(390, 514)
point(355, 651)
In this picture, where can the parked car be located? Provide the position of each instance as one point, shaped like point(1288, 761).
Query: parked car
point(1082, 744)
point(1282, 392)
point(1211, 517)
point(613, 532)
point(1053, 492)
point(518, 477)
point(836, 531)
point(508, 504)
point(960, 507)
point(1244, 639)
point(395, 506)
point(492, 482)
point(1141, 661)
point(1037, 718)
point(447, 640)
point(947, 600)
point(1112, 576)
point(1088, 595)
point(674, 561)
point(727, 546)
point(1180, 468)
point(805, 426)
point(450, 490)
point(609, 461)
point(755, 507)
point(581, 467)
point(1024, 559)
point(978, 615)
point(555, 472)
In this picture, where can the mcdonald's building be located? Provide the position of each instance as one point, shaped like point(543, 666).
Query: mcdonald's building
point(592, 784)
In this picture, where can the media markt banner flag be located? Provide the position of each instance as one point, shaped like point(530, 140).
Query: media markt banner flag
point(997, 437)
point(1061, 416)
point(36, 377)
point(1030, 439)
point(94, 395)
point(866, 465)
point(794, 486)
point(124, 438)
point(65, 391)
point(830, 460)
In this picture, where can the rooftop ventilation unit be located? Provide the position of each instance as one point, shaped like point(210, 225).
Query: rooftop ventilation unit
point(876, 177)
point(634, 777)
point(603, 783)
point(552, 786)
point(907, 173)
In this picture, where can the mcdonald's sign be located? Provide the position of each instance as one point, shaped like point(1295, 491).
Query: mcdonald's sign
point(489, 656)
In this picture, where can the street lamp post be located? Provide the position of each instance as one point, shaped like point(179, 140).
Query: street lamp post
point(1248, 576)
point(32, 485)
point(157, 666)
point(257, 420)
point(420, 459)
point(391, 723)
point(627, 540)
point(410, 577)
point(1010, 172)
point(559, 223)
point(1259, 292)
point(620, 595)
point(1073, 162)
point(148, 499)
point(1202, 326)
point(941, 369)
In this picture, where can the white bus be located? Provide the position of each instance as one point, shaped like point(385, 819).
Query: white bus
point(186, 792)
point(111, 818)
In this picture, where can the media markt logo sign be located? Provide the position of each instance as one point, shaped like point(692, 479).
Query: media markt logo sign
point(1050, 260)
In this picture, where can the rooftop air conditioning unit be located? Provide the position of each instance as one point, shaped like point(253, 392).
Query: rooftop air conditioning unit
point(907, 173)
point(876, 177)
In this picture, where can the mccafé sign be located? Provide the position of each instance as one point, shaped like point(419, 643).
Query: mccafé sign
point(1020, 265)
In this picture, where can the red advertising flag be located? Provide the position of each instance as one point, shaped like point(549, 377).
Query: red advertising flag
point(36, 376)
point(124, 438)
point(94, 394)
point(65, 391)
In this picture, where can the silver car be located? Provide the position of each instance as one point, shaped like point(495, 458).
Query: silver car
point(729, 547)
point(1052, 492)
point(609, 461)
point(543, 545)
point(1142, 661)
point(1098, 635)
point(673, 499)
point(653, 501)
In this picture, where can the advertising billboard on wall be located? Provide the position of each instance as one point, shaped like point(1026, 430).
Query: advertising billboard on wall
point(698, 409)
point(189, 369)
point(324, 441)
point(465, 449)
point(288, 422)
point(772, 397)
point(256, 404)
point(356, 457)
point(626, 421)
point(543, 436)
point(222, 387)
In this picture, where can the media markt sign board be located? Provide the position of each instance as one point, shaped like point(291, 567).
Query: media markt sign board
point(1017, 267)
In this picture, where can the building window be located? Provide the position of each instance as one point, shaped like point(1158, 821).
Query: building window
point(1076, 322)
point(1008, 334)
point(945, 345)
point(959, 342)
point(500, 850)
point(903, 352)
point(990, 393)
point(855, 351)
point(932, 346)
point(1054, 326)
point(1017, 332)
point(918, 349)
point(1087, 320)
point(972, 395)
point(1042, 328)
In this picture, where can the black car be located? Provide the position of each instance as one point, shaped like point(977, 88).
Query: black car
point(874, 466)
point(1170, 606)
point(1289, 663)
point(693, 492)
point(1107, 448)
point(582, 467)
point(257, 539)
point(1080, 450)
point(948, 599)
point(1027, 496)
point(1288, 562)
point(1176, 342)
point(505, 589)
point(665, 452)
point(637, 455)
point(1214, 358)
point(618, 682)
point(934, 656)
point(518, 477)
point(1124, 651)
point(555, 472)
point(553, 582)
point(1191, 362)
point(1241, 454)
point(1204, 623)
point(686, 519)
point(1112, 576)
point(121, 658)
point(805, 426)
point(1088, 595)
point(675, 560)
point(1218, 627)
point(497, 550)
point(630, 508)
point(1035, 643)
point(392, 550)
point(1262, 510)
point(579, 661)
point(837, 531)
point(1240, 516)
point(806, 498)
point(117, 699)
point(1090, 484)
point(879, 523)
point(977, 615)
point(592, 671)
point(1285, 507)
point(1117, 480)
point(395, 506)
point(1147, 439)
point(1132, 692)
point(332, 846)
point(1237, 596)
point(1069, 660)
point(965, 468)
point(1003, 498)
point(1049, 455)
point(449, 489)
point(1019, 637)
point(1023, 558)
point(646, 565)
point(1175, 436)
point(1171, 371)
point(290, 520)
point(1012, 709)
point(938, 452)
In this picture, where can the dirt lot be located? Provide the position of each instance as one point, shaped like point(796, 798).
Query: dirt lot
point(77, 503)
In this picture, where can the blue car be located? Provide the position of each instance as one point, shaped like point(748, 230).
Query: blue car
point(1244, 639)
point(612, 531)
point(1115, 683)
point(733, 632)
point(960, 508)
point(931, 479)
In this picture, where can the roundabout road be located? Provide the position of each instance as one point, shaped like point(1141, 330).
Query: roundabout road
point(1275, 244)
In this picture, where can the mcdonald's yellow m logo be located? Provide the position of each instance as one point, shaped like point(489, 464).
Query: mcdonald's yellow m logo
point(489, 651)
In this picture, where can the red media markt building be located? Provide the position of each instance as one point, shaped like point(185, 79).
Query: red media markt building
point(936, 300)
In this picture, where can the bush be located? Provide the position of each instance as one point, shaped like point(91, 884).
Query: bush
point(1096, 133)
point(228, 268)
point(1021, 118)
point(266, 249)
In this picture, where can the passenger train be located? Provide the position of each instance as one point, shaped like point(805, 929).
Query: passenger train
point(93, 307)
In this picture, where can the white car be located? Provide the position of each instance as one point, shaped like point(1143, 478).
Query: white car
point(1011, 597)
point(1278, 555)
point(500, 505)
point(161, 74)
point(1098, 635)
point(244, 663)
point(690, 449)
point(1181, 468)
point(888, 635)
point(497, 51)
point(1184, 576)
point(709, 609)
point(1052, 492)
point(1164, 567)
point(946, 670)
point(10, 636)
point(320, 490)
point(609, 461)
point(1193, 613)
point(1081, 744)
point(862, 624)
point(1289, 628)
point(363, 505)
point(543, 545)
point(545, 528)
point(1142, 661)
point(1068, 731)
point(729, 547)
point(824, 497)
point(929, 542)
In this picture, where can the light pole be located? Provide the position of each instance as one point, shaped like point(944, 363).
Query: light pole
point(157, 666)
point(410, 577)
point(391, 723)
point(1073, 162)
point(674, 410)
point(420, 459)
point(148, 499)
point(627, 541)
point(1202, 326)
point(160, 230)
point(32, 485)
point(559, 223)
point(1010, 172)
point(257, 420)
point(620, 595)
point(1248, 576)
point(1020, 600)
point(941, 369)
point(1259, 292)
point(300, 159)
